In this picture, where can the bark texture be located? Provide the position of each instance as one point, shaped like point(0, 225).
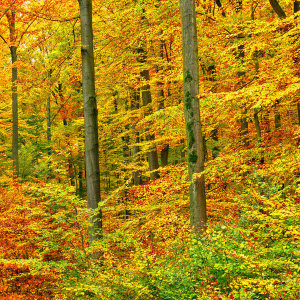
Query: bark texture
point(192, 115)
point(90, 118)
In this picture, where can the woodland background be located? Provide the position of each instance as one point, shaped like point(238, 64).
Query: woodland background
point(249, 96)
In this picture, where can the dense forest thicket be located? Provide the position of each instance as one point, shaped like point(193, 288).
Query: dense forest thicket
point(186, 209)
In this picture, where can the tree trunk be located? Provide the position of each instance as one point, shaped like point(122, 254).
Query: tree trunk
point(257, 126)
point(244, 129)
point(277, 8)
point(48, 112)
point(15, 150)
point(80, 182)
point(164, 154)
point(15, 130)
point(296, 6)
point(243, 120)
point(277, 118)
point(90, 119)
point(216, 148)
point(297, 9)
point(192, 115)
point(135, 104)
point(49, 123)
point(147, 99)
point(210, 75)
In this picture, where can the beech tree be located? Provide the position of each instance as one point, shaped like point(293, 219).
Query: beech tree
point(90, 117)
point(11, 17)
point(147, 100)
point(194, 135)
point(13, 50)
point(13, 14)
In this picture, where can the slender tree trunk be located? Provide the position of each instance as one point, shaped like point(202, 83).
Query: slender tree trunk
point(147, 99)
point(49, 135)
point(256, 119)
point(13, 51)
point(90, 118)
point(164, 154)
point(297, 9)
point(256, 110)
point(15, 147)
point(49, 123)
point(244, 129)
point(243, 120)
point(277, 118)
point(216, 148)
point(137, 179)
point(135, 104)
point(192, 115)
point(210, 75)
point(257, 126)
point(80, 182)
point(70, 164)
point(241, 56)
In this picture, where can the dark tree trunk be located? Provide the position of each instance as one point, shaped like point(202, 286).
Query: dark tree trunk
point(164, 155)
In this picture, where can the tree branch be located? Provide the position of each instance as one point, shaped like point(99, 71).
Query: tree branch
point(57, 20)
point(4, 40)
point(8, 9)
point(25, 31)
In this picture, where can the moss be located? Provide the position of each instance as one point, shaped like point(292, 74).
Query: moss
point(191, 140)
point(190, 126)
point(188, 100)
point(188, 77)
point(193, 157)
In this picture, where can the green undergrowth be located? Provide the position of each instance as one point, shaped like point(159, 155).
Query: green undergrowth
point(250, 250)
point(255, 256)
